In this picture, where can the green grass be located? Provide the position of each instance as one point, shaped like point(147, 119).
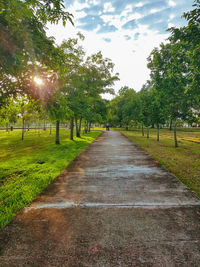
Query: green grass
point(27, 167)
point(183, 161)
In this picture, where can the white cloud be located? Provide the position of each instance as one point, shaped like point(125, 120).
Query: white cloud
point(112, 19)
point(154, 10)
point(170, 25)
point(95, 2)
point(171, 16)
point(108, 7)
point(172, 3)
point(132, 67)
point(140, 4)
point(135, 16)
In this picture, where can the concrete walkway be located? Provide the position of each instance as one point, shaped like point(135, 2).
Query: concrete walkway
point(113, 206)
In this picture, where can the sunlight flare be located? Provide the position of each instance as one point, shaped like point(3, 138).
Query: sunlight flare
point(38, 80)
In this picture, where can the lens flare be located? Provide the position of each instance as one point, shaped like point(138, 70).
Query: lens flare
point(37, 80)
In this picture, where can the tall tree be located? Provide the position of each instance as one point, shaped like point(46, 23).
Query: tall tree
point(71, 79)
point(85, 81)
point(58, 111)
point(188, 39)
point(146, 107)
point(23, 38)
point(168, 77)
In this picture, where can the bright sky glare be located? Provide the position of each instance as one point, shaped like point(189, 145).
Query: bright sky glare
point(126, 31)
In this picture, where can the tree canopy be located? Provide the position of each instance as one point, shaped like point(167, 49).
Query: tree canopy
point(172, 96)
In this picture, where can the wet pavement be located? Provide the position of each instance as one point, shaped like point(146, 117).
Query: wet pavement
point(112, 206)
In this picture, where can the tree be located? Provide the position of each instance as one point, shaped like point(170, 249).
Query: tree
point(9, 113)
point(58, 111)
point(71, 79)
point(84, 82)
point(128, 105)
point(146, 107)
point(169, 79)
point(114, 115)
point(188, 38)
point(23, 34)
point(97, 79)
point(26, 107)
point(124, 109)
point(159, 112)
point(23, 39)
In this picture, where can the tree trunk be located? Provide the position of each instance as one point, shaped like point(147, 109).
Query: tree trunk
point(158, 135)
point(22, 129)
point(142, 130)
point(89, 126)
point(126, 128)
point(50, 129)
point(170, 125)
point(148, 132)
point(76, 127)
point(72, 129)
point(38, 129)
point(6, 127)
point(79, 128)
point(57, 140)
point(86, 129)
point(175, 137)
point(44, 127)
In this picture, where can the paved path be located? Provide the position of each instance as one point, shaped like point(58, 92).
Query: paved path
point(113, 206)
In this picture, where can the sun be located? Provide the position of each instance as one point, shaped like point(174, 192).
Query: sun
point(37, 80)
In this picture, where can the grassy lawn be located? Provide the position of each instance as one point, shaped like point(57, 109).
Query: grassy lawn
point(183, 161)
point(27, 167)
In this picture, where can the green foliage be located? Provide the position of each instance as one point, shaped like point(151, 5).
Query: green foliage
point(17, 108)
point(50, 11)
point(188, 38)
point(175, 72)
point(124, 108)
point(9, 113)
point(23, 40)
point(172, 95)
point(58, 109)
point(84, 81)
point(26, 168)
point(167, 73)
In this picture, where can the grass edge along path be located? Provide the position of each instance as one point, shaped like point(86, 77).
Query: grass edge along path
point(27, 176)
point(183, 162)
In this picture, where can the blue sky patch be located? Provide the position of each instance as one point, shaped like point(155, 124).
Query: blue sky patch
point(136, 36)
point(130, 25)
point(107, 28)
point(156, 14)
point(107, 40)
point(90, 22)
point(127, 37)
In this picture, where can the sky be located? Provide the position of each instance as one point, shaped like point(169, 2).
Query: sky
point(126, 31)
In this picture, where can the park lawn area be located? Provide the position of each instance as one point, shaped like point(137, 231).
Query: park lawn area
point(183, 161)
point(27, 167)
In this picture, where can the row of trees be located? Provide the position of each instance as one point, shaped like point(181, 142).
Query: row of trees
point(173, 93)
point(41, 79)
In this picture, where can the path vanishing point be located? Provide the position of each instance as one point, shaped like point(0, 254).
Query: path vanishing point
point(112, 206)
